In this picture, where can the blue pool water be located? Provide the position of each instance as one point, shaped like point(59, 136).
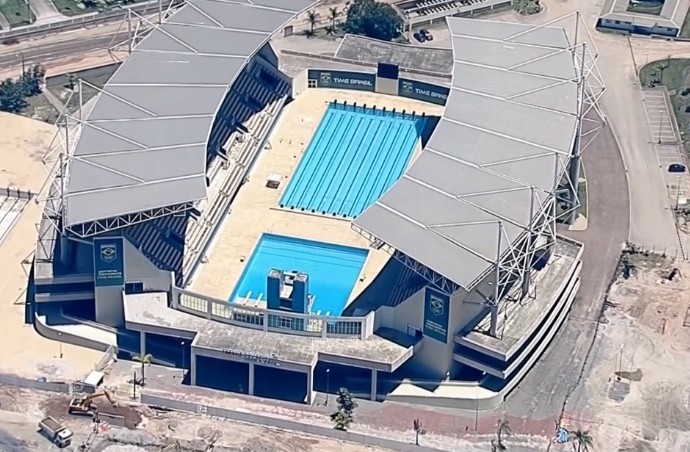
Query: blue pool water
point(355, 155)
point(332, 269)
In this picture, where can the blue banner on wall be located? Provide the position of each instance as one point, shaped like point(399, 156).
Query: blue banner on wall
point(425, 92)
point(109, 261)
point(436, 311)
point(343, 80)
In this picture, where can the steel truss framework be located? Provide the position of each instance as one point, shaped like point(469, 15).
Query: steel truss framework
point(57, 159)
point(512, 269)
point(56, 162)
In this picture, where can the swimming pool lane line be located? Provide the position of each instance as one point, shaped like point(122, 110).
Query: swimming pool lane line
point(363, 179)
point(307, 162)
point(359, 153)
point(349, 134)
point(389, 151)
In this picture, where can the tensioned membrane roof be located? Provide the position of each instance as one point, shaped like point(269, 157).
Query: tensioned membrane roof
point(500, 148)
point(143, 146)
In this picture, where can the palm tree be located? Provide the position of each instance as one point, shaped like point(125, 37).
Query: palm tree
point(312, 18)
point(583, 439)
point(333, 14)
point(503, 428)
point(143, 359)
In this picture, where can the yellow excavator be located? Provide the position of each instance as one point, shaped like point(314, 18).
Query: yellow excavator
point(84, 404)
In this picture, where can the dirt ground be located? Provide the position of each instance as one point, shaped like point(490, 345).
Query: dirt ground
point(147, 429)
point(638, 387)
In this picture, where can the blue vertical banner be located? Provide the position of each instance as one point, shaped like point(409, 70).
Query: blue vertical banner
point(436, 312)
point(109, 261)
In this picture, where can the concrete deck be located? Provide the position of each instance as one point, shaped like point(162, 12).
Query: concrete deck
point(255, 209)
point(518, 320)
point(150, 313)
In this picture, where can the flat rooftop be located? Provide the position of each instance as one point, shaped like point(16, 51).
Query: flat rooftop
point(144, 144)
point(150, 312)
point(672, 14)
point(367, 50)
point(496, 156)
point(518, 320)
point(256, 209)
point(293, 65)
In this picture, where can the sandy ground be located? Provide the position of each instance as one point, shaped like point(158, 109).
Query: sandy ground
point(637, 390)
point(23, 143)
point(20, 412)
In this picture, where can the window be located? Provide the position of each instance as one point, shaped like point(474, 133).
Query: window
point(311, 83)
point(134, 287)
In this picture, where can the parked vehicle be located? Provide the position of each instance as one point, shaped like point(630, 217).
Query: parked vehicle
point(427, 34)
point(60, 435)
point(676, 168)
point(419, 36)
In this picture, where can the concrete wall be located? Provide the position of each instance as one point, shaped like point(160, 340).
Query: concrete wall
point(20, 382)
point(630, 27)
point(138, 268)
point(386, 86)
point(267, 53)
point(299, 83)
point(354, 437)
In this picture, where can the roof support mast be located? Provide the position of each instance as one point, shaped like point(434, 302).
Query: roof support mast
point(576, 161)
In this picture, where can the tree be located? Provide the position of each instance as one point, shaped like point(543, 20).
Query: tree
point(583, 440)
point(502, 428)
point(143, 359)
point(346, 408)
point(373, 19)
point(71, 81)
point(11, 96)
point(333, 14)
point(31, 80)
point(418, 430)
point(661, 67)
point(312, 18)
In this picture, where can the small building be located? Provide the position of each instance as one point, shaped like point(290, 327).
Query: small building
point(617, 15)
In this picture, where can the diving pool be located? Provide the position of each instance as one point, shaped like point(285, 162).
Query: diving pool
point(356, 154)
point(333, 270)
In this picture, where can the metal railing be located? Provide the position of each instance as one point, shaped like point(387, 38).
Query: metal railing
point(272, 320)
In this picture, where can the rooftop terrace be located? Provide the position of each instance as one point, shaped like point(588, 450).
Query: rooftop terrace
point(386, 350)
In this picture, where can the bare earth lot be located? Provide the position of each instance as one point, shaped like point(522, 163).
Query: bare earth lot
point(637, 389)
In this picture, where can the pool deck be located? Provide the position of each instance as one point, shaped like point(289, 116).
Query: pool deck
point(255, 209)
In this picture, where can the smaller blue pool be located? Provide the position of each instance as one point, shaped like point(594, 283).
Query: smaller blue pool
point(332, 269)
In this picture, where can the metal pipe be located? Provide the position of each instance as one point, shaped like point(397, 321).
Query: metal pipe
point(494, 308)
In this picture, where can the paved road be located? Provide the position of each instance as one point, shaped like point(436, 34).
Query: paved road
point(46, 50)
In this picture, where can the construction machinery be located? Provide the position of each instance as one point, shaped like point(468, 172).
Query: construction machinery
point(85, 405)
point(57, 433)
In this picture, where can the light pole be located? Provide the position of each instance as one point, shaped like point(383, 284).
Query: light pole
point(60, 342)
point(183, 360)
point(661, 123)
point(328, 384)
point(678, 193)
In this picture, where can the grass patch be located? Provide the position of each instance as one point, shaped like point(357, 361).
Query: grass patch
point(674, 74)
point(59, 85)
point(73, 8)
point(17, 12)
point(40, 109)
